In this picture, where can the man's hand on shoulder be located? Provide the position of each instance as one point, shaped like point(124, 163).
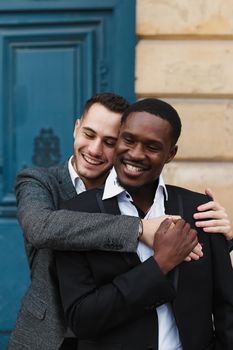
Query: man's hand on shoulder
point(213, 218)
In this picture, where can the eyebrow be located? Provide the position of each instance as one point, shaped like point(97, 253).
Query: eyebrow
point(87, 128)
point(148, 142)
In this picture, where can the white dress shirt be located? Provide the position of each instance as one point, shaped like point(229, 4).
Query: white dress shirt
point(77, 182)
point(168, 333)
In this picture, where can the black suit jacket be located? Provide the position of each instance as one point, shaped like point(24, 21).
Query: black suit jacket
point(110, 298)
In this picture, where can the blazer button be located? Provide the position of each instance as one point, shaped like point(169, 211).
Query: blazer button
point(150, 347)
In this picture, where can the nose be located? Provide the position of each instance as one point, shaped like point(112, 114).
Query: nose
point(96, 148)
point(137, 152)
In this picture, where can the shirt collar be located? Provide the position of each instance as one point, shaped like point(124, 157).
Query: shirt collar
point(77, 182)
point(112, 188)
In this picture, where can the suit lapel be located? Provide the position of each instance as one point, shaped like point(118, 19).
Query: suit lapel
point(107, 206)
point(66, 186)
point(174, 206)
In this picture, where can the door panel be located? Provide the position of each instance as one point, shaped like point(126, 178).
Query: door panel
point(14, 273)
point(54, 55)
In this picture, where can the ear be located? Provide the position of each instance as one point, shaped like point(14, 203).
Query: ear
point(172, 153)
point(76, 127)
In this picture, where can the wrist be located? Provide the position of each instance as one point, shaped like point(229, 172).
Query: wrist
point(140, 229)
point(163, 263)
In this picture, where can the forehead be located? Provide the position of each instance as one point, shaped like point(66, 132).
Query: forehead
point(144, 124)
point(102, 120)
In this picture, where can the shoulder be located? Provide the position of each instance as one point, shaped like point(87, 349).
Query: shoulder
point(41, 174)
point(187, 194)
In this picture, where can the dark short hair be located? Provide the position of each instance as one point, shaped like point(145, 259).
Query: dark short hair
point(160, 109)
point(112, 102)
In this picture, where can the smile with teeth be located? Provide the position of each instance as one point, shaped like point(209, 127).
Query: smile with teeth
point(92, 161)
point(133, 169)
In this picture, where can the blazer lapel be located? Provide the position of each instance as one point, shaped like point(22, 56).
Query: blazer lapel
point(66, 186)
point(107, 206)
point(174, 206)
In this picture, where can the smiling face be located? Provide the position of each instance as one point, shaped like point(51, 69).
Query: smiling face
point(95, 138)
point(143, 148)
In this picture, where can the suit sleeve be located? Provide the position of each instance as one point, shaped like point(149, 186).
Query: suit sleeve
point(223, 293)
point(92, 310)
point(44, 226)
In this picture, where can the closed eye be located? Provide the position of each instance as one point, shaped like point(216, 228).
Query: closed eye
point(153, 148)
point(88, 134)
point(110, 142)
point(128, 140)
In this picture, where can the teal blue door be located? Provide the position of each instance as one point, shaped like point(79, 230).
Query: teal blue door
point(53, 56)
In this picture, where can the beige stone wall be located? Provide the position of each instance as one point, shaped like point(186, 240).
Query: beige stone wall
point(185, 56)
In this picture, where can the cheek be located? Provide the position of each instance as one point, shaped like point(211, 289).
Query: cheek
point(110, 154)
point(120, 148)
point(79, 142)
point(159, 162)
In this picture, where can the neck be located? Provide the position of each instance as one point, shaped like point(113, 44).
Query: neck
point(91, 183)
point(143, 197)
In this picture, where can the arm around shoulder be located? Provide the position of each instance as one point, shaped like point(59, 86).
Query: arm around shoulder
point(38, 194)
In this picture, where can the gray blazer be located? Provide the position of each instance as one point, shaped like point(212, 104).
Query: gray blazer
point(40, 322)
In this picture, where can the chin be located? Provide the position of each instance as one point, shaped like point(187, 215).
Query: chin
point(128, 185)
